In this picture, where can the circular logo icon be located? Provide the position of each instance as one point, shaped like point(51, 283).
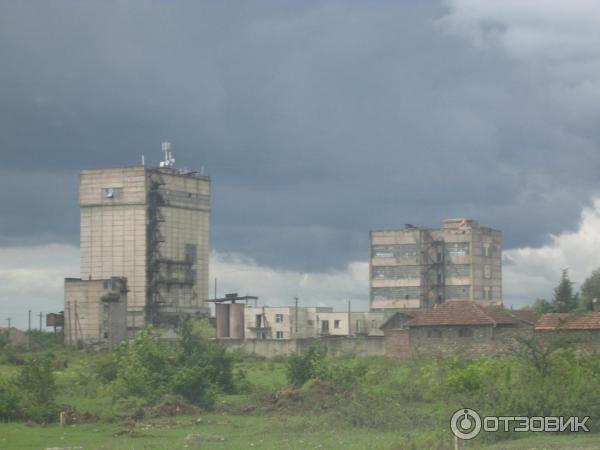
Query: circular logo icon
point(465, 424)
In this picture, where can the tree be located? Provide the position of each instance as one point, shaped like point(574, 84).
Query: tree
point(542, 306)
point(564, 300)
point(590, 289)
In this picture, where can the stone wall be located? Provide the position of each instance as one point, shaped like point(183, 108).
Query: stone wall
point(465, 341)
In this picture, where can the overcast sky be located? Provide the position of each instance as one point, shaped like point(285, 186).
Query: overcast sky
point(317, 122)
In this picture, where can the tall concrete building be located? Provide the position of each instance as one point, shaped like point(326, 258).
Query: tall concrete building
point(415, 267)
point(149, 225)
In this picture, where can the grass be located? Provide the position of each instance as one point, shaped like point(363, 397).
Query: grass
point(398, 418)
point(264, 432)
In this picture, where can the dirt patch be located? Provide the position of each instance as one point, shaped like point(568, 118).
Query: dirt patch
point(315, 396)
point(171, 408)
point(73, 416)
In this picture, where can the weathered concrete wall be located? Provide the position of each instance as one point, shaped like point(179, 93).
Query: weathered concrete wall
point(361, 346)
point(95, 311)
point(113, 230)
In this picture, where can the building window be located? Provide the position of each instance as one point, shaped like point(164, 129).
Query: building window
point(487, 293)
point(457, 270)
point(190, 253)
point(435, 333)
point(398, 292)
point(278, 318)
point(457, 249)
point(487, 272)
point(395, 251)
point(486, 249)
point(279, 334)
point(261, 335)
point(395, 272)
point(458, 292)
point(336, 323)
point(465, 332)
point(112, 192)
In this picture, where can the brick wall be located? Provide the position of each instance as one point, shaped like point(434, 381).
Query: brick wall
point(397, 344)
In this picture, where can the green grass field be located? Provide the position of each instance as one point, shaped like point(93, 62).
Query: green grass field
point(247, 432)
point(388, 416)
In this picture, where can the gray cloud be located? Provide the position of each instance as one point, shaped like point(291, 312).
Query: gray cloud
point(317, 121)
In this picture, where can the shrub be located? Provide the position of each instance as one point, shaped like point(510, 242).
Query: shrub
point(312, 364)
point(37, 388)
point(10, 408)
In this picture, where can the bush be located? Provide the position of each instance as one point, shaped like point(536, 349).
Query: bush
point(10, 408)
point(312, 364)
point(195, 368)
point(37, 387)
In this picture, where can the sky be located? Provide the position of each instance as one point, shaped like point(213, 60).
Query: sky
point(317, 122)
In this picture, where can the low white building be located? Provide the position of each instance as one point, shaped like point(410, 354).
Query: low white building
point(289, 322)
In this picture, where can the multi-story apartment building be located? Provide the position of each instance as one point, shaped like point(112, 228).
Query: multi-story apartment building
point(415, 267)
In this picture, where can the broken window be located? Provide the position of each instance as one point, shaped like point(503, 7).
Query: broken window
point(279, 334)
point(278, 318)
point(112, 192)
point(336, 323)
point(190, 253)
point(434, 333)
point(465, 332)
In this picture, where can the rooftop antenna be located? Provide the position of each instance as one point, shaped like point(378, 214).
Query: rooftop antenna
point(169, 161)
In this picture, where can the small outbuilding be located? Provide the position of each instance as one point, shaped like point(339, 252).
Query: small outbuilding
point(456, 327)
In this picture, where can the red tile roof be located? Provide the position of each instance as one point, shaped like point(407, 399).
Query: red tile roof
point(461, 312)
point(526, 315)
point(569, 321)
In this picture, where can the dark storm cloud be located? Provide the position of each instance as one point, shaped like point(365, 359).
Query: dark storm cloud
point(317, 121)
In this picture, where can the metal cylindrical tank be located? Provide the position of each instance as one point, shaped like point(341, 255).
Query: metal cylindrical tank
point(222, 313)
point(236, 321)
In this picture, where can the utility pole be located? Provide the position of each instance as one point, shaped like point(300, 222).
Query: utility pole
point(40, 321)
point(296, 311)
point(215, 288)
point(29, 331)
point(9, 319)
point(349, 319)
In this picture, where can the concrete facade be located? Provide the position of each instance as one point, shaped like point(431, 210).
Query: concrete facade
point(151, 226)
point(95, 311)
point(416, 268)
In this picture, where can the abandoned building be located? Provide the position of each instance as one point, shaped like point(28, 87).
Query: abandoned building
point(415, 268)
point(456, 327)
point(149, 226)
point(95, 310)
point(582, 329)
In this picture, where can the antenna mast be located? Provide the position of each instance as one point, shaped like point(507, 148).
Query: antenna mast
point(169, 161)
